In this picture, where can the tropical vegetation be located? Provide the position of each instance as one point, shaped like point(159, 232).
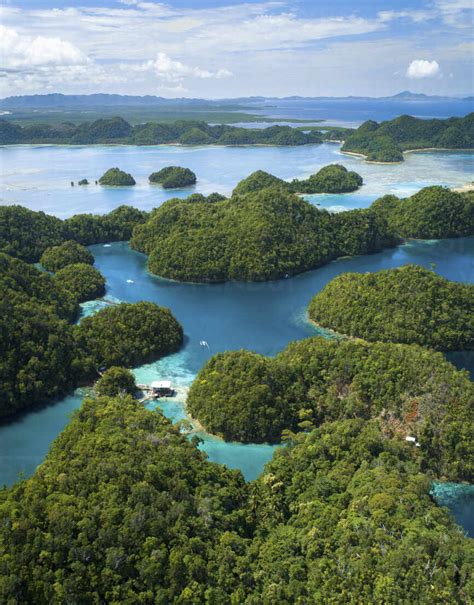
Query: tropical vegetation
point(261, 235)
point(173, 177)
point(330, 179)
point(82, 281)
point(115, 381)
point(27, 234)
point(407, 305)
point(125, 509)
point(128, 334)
point(408, 389)
point(387, 141)
point(185, 132)
point(433, 213)
point(68, 253)
point(114, 177)
point(43, 355)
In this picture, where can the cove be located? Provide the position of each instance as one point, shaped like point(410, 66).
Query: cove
point(263, 317)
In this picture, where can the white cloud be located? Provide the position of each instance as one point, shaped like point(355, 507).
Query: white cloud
point(421, 68)
point(169, 69)
point(18, 50)
point(266, 47)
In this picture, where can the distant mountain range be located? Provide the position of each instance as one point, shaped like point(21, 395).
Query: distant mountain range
point(57, 100)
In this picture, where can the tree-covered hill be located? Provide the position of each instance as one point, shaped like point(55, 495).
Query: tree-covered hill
point(184, 132)
point(330, 179)
point(38, 352)
point(68, 253)
point(407, 305)
point(27, 234)
point(262, 235)
point(431, 213)
point(126, 510)
point(129, 334)
point(82, 281)
point(43, 355)
point(387, 141)
point(172, 177)
point(114, 177)
point(265, 232)
point(345, 516)
point(408, 389)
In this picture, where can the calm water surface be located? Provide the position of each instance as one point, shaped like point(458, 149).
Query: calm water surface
point(39, 176)
point(261, 317)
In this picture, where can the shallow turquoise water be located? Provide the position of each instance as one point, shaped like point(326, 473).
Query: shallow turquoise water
point(39, 176)
point(459, 499)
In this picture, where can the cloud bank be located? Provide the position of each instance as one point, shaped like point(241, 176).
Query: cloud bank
point(270, 48)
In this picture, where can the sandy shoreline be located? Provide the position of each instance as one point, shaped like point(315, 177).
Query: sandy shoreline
point(364, 157)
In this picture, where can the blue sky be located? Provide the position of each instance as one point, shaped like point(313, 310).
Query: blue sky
point(228, 48)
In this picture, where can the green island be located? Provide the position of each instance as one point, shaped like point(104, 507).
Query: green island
point(268, 233)
point(67, 253)
point(125, 509)
point(183, 132)
point(27, 234)
point(409, 304)
point(408, 389)
point(47, 354)
point(431, 213)
point(129, 334)
point(116, 381)
point(261, 234)
point(330, 179)
point(114, 177)
point(173, 177)
point(83, 281)
point(386, 142)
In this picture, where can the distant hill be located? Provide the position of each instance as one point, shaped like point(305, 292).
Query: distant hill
point(115, 100)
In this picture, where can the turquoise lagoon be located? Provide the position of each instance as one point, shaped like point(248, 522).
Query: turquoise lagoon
point(263, 317)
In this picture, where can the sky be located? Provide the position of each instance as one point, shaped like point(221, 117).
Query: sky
point(232, 48)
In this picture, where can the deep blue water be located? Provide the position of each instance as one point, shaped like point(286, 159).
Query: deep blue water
point(352, 112)
point(262, 317)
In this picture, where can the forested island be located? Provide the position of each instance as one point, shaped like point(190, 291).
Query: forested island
point(408, 389)
point(183, 132)
point(127, 509)
point(114, 177)
point(67, 253)
point(46, 354)
point(172, 177)
point(384, 142)
point(28, 234)
point(409, 304)
point(269, 233)
point(387, 141)
point(333, 178)
point(262, 234)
